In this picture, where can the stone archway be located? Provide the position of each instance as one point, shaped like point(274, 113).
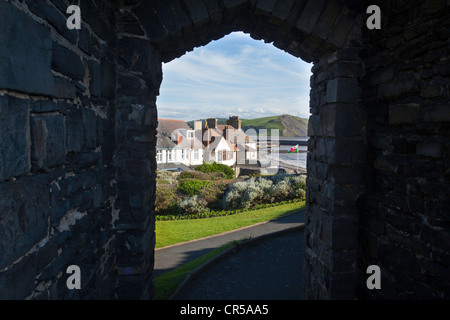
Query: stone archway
point(327, 33)
point(77, 140)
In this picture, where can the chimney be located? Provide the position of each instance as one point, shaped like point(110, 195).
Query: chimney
point(234, 122)
point(205, 135)
point(197, 125)
point(211, 123)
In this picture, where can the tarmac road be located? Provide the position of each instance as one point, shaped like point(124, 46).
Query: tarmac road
point(267, 270)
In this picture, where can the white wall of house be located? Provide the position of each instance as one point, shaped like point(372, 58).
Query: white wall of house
point(177, 155)
point(220, 152)
point(251, 155)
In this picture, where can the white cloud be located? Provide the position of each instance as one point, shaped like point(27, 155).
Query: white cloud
point(235, 76)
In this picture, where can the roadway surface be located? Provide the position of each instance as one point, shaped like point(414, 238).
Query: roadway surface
point(269, 269)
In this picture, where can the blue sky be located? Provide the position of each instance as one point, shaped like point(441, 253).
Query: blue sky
point(235, 75)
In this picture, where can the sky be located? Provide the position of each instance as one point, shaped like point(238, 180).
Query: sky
point(235, 75)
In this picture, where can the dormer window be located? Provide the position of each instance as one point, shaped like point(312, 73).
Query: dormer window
point(190, 134)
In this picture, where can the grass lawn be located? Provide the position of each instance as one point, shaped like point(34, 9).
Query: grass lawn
point(176, 231)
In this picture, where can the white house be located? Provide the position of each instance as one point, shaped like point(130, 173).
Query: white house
point(225, 144)
point(189, 149)
point(220, 150)
point(177, 143)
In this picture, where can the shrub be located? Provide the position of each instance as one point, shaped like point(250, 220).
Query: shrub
point(244, 194)
point(212, 194)
point(186, 175)
point(167, 199)
point(298, 182)
point(166, 177)
point(216, 167)
point(258, 191)
point(192, 205)
point(198, 175)
point(299, 194)
point(218, 175)
point(193, 187)
point(281, 191)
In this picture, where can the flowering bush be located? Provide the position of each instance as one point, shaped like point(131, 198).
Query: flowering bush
point(256, 191)
point(244, 194)
point(298, 182)
point(281, 191)
point(193, 205)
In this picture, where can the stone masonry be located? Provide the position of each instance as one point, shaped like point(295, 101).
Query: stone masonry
point(78, 122)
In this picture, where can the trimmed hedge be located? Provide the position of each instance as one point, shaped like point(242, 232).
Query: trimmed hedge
point(216, 167)
point(193, 187)
point(220, 213)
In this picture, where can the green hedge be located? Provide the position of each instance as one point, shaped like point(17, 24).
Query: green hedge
point(220, 213)
point(193, 187)
point(216, 167)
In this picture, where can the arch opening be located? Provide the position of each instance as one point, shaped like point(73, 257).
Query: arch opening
point(240, 82)
point(326, 33)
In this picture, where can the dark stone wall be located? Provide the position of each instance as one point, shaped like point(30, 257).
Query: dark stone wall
point(78, 121)
point(58, 187)
point(405, 219)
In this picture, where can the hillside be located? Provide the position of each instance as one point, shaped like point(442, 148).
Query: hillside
point(289, 126)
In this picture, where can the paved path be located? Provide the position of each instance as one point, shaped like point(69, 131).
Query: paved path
point(169, 258)
point(267, 270)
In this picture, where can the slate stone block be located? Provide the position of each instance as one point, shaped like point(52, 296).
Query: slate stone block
point(396, 89)
point(233, 3)
point(64, 89)
point(323, 27)
point(25, 53)
point(404, 113)
point(136, 54)
point(44, 106)
point(67, 62)
point(53, 17)
point(282, 9)
point(17, 283)
point(151, 22)
point(48, 137)
point(108, 79)
point(89, 128)
point(265, 6)
point(139, 169)
point(198, 11)
point(344, 24)
point(439, 113)
point(74, 131)
point(214, 10)
point(430, 149)
point(342, 90)
point(431, 91)
point(24, 205)
point(310, 15)
point(14, 137)
point(340, 233)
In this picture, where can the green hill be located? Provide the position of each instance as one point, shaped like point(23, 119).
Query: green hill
point(289, 126)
